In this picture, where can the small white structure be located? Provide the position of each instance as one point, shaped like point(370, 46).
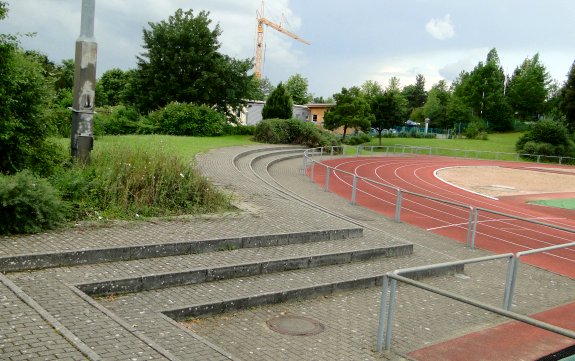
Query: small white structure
point(251, 114)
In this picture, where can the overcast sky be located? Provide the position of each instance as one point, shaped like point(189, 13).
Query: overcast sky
point(351, 41)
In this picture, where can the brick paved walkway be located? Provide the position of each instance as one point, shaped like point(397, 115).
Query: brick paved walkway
point(132, 327)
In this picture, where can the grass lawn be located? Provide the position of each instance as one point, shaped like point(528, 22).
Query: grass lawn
point(567, 203)
point(497, 142)
point(184, 147)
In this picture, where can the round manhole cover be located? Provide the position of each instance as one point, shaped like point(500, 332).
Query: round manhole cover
point(295, 325)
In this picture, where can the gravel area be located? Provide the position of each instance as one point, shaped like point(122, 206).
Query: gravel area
point(501, 181)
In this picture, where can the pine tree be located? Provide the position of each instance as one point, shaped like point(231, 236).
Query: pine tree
point(279, 104)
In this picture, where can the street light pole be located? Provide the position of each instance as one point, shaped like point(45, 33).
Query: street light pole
point(82, 134)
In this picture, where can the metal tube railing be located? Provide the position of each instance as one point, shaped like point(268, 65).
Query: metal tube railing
point(500, 311)
point(384, 333)
point(514, 266)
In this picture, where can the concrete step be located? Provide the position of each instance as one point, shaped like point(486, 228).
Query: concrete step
point(16, 263)
point(238, 266)
point(184, 297)
point(192, 301)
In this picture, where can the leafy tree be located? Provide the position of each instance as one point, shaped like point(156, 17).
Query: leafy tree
point(279, 104)
point(351, 110)
point(457, 112)
point(322, 100)
point(24, 94)
point(296, 86)
point(528, 89)
point(389, 109)
point(482, 91)
point(64, 74)
point(415, 94)
point(181, 63)
point(110, 87)
point(436, 106)
point(371, 89)
point(261, 88)
point(568, 99)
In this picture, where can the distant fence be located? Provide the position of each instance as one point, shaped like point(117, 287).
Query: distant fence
point(446, 152)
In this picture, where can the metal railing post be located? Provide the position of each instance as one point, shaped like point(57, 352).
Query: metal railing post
point(398, 206)
point(327, 172)
point(304, 163)
point(382, 314)
point(474, 228)
point(510, 282)
point(390, 314)
point(469, 226)
point(331, 152)
point(354, 189)
point(311, 170)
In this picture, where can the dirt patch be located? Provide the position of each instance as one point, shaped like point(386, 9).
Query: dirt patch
point(500, 181)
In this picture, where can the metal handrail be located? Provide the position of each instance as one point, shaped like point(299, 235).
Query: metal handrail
point(514, 259)
point(514, 266)
point(384, 333)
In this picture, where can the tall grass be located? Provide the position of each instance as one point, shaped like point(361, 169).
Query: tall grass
point(126, 181)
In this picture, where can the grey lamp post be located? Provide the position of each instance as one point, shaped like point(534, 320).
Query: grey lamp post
point(82, 135)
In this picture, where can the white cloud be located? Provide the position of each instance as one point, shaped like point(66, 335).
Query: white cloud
point(441, 28)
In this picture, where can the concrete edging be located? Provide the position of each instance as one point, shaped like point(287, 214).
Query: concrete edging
point(100, 255)
point(234, 304)
point(174, 279)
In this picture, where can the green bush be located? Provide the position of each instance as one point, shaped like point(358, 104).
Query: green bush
point(477, 129)
point(29, 204)
point(188, 119)
point(239, 129)
point(412, 133)
point(357, 139)
point(293, 131)
point(118, 120)
point(546, 137)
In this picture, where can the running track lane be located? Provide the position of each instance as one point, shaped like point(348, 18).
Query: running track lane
point(494, 233)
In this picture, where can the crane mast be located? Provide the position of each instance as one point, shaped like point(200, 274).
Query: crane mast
point(260, 38)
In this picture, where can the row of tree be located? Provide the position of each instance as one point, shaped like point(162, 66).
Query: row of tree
point(182, 63)
point(484, 96)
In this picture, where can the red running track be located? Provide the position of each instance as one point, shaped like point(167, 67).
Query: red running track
point(494, 233)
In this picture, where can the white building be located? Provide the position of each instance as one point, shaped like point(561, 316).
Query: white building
point(252, 112)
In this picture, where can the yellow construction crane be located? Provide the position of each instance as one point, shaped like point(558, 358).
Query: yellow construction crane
point(260, 38)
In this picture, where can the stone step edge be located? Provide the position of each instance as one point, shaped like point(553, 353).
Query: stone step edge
point(195, 276)
point(235, 304)
point(273, 150)
point(35, 261)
